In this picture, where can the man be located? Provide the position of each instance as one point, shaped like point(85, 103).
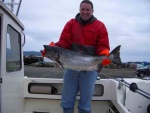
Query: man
point(86, 35)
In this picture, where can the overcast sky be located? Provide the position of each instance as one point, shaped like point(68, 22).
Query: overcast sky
point(127, 22)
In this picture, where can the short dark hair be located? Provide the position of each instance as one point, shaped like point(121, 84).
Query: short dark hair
point(87, 1)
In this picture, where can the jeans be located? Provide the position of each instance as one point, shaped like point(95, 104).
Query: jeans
point(74, 81)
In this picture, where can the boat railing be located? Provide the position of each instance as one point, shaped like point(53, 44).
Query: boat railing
point(11, 5)
point(133, 87)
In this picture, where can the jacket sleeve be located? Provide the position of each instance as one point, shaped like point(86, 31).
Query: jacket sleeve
point(103, 40)
point(65, 37)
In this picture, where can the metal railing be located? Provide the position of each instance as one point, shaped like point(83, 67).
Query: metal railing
point(12, 4)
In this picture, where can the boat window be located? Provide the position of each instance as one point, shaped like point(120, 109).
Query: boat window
point(13, 50)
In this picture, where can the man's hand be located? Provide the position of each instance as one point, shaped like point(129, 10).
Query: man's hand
point(43, 52)
point(105, 61)
point(52, 44)
point(105, 52)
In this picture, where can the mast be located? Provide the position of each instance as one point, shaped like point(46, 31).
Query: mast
point(11, 6)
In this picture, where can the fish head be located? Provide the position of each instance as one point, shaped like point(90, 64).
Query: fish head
point(51, 52)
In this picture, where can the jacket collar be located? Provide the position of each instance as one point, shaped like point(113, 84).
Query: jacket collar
point(78, 18)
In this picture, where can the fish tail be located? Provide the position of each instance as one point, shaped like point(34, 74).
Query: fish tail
point(116, 56)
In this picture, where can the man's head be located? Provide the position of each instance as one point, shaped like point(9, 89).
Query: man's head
point(86, 9)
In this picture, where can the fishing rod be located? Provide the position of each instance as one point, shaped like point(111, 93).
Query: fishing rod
point(133, 86)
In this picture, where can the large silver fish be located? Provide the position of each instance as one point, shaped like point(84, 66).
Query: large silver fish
point(76, 61)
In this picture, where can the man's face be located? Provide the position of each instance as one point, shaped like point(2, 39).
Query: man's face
point(86, 11)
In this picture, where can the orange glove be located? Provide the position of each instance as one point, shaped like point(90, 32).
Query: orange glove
point(105, 52)
point(105, 61)
point(52, 44)
point(44, 51)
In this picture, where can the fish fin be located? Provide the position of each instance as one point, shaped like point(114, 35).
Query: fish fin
point(57, 60)
point(60, 63)
point(116, 54)
point(99, 68)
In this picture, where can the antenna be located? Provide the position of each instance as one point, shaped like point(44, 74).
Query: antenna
point(12, 4)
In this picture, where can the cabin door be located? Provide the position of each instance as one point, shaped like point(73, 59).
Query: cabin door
point(11, 64)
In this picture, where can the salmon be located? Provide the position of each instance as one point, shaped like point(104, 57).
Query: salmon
point(73, 60)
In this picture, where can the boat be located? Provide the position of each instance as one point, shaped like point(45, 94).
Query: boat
point(20, 94)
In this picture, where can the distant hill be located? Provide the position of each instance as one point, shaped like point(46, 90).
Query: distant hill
point(28, 53)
